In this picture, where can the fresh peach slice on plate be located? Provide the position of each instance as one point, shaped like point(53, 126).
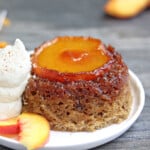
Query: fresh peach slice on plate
point(29, 129)
point(34, 130)
point(9, 127)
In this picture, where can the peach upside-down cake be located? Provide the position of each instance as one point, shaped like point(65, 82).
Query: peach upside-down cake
point(78, 84)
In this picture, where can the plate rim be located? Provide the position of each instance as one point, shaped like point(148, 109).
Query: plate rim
point(135, 79)
point(122, 126)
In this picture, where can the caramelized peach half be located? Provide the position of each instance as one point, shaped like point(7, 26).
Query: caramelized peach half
point(69, 58)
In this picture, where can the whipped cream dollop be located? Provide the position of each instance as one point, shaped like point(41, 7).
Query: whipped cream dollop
point(11, 109)
point(15, 66)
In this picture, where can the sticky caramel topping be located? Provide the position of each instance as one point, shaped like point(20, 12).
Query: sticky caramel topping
point(72, 55)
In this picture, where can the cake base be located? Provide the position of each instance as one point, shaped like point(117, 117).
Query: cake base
point(85, 115)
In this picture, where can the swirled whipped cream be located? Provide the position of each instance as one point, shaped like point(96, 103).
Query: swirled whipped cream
point(15, 66)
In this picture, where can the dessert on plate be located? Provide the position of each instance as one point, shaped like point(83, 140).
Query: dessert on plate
point(78, 84)
point(15, 67)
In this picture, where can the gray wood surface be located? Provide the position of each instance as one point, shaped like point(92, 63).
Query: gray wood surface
point(35, 21)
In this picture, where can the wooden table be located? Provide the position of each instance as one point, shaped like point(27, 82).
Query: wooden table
point(35, 21)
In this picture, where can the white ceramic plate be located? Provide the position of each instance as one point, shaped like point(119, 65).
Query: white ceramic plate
point(87, 140)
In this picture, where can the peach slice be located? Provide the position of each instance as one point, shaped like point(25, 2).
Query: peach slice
point(125, 8)
point(34, 130)
point(3, 44)
point(7, 22)
point(31, 130)
point(9, 127)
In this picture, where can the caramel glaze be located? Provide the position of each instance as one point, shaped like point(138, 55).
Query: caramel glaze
point(104, 83)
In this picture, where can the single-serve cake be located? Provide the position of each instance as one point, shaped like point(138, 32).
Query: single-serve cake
point(78, 84)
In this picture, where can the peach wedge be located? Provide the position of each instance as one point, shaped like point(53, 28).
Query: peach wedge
point(9, 127)
point(3, 44)
point(34, 130)
point(125, 8)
